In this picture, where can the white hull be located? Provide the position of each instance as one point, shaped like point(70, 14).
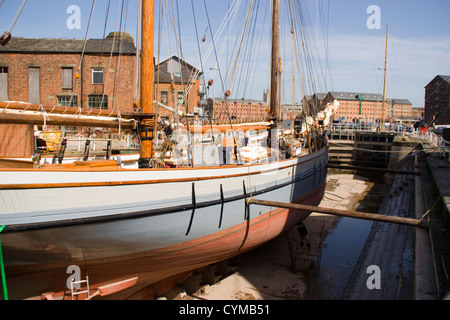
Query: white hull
point(66, 217)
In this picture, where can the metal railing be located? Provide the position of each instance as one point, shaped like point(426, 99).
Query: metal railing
point(436, 141)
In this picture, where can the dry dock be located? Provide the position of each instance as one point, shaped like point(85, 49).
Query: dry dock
point(349, 258)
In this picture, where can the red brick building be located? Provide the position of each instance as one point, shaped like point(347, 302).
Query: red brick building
point(47, 71)
point(418, 113)
point(177, 83)
point(239, 110)
point(98, 74)
point(437, 100)
point(364, 107)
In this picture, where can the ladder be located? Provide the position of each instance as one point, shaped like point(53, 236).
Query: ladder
point(75, 291)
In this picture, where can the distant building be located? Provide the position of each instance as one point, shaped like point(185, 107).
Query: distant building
point(239, 110)
point(437, 101)
point(173, 78)
point(401, 109)
point(314, 103)
point(362, 107)
point(418, 113)
point(291, 111)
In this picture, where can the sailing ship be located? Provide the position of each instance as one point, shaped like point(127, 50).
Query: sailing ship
point(132, 229)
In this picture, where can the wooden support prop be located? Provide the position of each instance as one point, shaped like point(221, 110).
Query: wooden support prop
point(336, 166)
point(337, 212)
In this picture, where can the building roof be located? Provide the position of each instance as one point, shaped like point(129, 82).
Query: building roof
point(445, 78)
point(320, 95)
point(401, 101)
point(93, 46)
point(366, 97)
point(354, 96)
point(180, 68)
point(442, 77)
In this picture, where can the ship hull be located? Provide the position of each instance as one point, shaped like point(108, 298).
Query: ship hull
point(147, 224)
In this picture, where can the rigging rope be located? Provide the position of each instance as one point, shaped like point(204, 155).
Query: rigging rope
point(6, 36)
point(201, 67)
point(13, 23)
point(106, 82)
point(108, 4)
point(236, 150)
point(118, 60)
point(82, 52)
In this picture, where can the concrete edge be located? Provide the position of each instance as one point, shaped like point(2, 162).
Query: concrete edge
point(424, 272)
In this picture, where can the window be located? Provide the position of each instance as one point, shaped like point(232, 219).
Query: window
point(180, 98)
point(164, 97)
point(3, 83)
point(34, 85)
point(68, 101)
point(97, 75)
point(98, 101)
point(66, 81)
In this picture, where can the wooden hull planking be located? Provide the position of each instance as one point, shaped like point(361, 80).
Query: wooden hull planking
point(153, 245)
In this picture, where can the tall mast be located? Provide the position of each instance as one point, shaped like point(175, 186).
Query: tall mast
point(146, 83)
point(274, 104)
point(385, 70)
point(138, 52)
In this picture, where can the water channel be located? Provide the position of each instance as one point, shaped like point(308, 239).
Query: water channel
point(266, 273)
point(344, 242)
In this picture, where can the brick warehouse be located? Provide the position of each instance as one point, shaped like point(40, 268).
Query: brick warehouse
point(364, 107)
point(437, 101)
point(45, 71)
point(239, 110)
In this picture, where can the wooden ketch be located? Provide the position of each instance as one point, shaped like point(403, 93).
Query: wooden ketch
point(130, 232)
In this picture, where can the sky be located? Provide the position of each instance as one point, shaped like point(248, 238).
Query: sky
point(349, 40)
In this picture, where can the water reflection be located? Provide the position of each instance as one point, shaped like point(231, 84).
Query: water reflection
point(341, 250)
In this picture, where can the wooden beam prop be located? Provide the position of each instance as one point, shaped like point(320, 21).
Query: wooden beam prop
point(342, 213)
point(346, 167)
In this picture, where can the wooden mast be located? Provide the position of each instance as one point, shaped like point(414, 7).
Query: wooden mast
point(146, 84)
point(274, 104)
point(384, 83)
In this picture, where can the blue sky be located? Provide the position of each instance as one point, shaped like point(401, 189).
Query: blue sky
point(419, 38)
